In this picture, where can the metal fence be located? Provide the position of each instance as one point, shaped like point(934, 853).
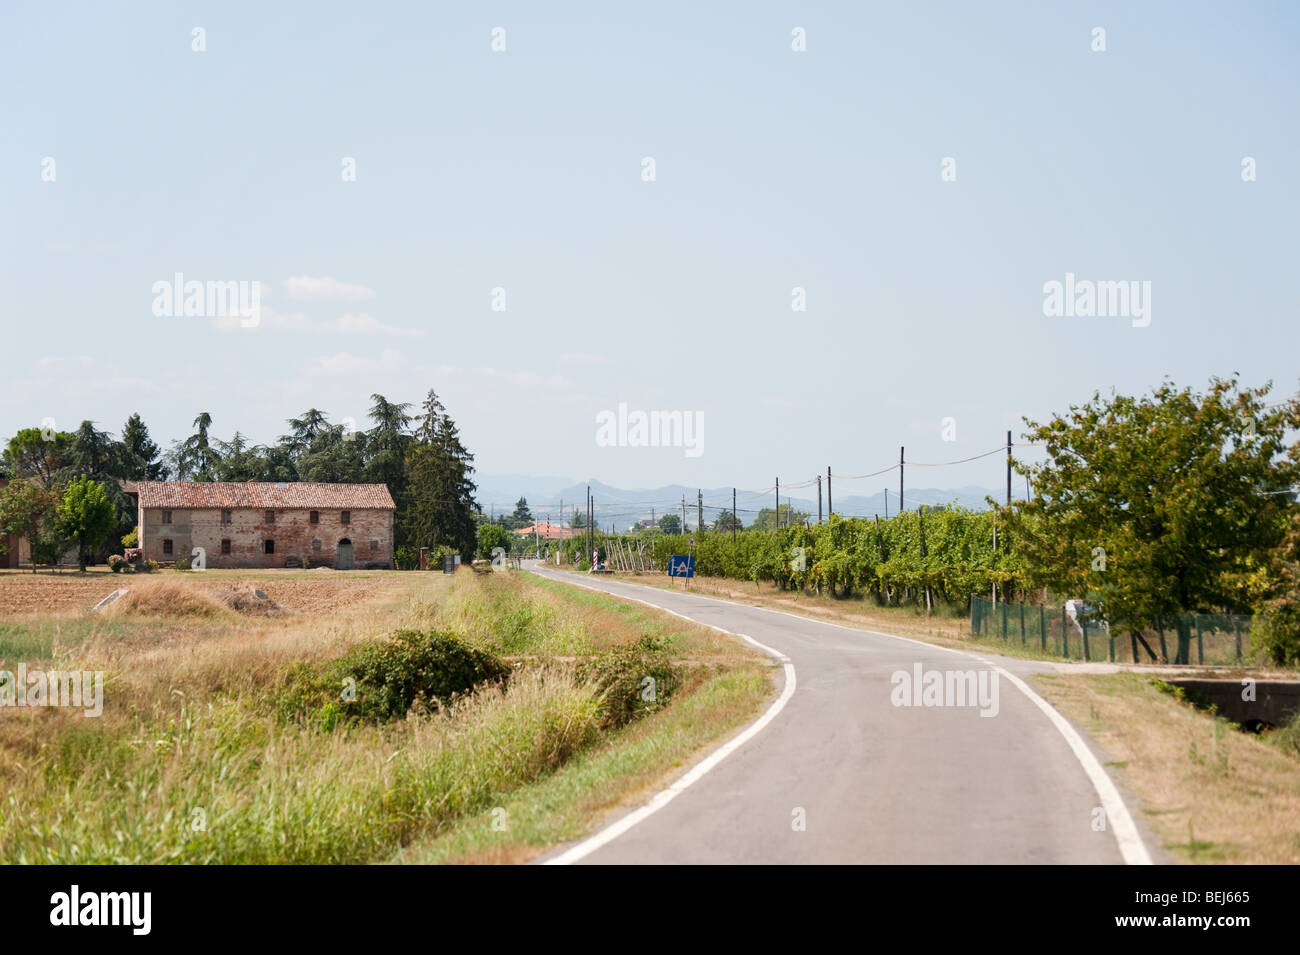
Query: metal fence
point(1202, 638)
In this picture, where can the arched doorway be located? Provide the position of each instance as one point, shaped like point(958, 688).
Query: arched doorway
point(345, 555)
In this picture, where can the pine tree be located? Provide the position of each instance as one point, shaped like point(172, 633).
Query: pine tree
point(440, 510)
point(140, 455)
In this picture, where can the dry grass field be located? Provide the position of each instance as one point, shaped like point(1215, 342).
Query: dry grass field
point(224, 737)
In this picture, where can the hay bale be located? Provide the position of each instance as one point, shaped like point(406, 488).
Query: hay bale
point(247, 599)
point(168, 597)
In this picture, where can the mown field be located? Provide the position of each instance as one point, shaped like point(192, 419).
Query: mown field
point(348, 717)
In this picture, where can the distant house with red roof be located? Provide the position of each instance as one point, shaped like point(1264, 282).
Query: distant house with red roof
point(545, 531)
point(266, 524)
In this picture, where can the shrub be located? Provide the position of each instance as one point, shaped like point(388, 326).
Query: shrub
point(118, 565)
point(390, 677)
point(182, 563)
point(632, 680)
point(1276, 630)
point(132, 539)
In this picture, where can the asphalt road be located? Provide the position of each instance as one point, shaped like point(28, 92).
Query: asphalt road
point(838, 771)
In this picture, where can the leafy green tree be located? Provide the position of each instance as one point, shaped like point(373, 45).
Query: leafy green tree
point(492, 535)
point(1159, 505)
point(96, 455)
point(140, 455)
point(26, 509)
point(670, 524)
point(39, 454)
point(86, 516)
point(1276, 628)
point(49, 544)
point(767, 518)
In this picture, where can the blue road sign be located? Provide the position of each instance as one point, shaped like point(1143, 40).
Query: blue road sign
point(681, 566)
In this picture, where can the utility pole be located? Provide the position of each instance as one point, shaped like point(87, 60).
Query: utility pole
point(1008, 469)
point(819, 499)
point(699, 513)
point(683, 513)
point(901, 506)
point(830, 508)
point(778, 503)
point(733, 515)
point(886, 503)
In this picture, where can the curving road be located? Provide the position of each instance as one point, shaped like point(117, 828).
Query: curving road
point(872, 781)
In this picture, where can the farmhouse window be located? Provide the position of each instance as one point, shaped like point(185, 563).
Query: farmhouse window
point(225, 546)
point(225, 516)
point(270, 546)
point(315, 545)
point(167, 545)
point(374, 545)
point(270, 517)
point(315, 517)
point(346, 517)
point(167, 517)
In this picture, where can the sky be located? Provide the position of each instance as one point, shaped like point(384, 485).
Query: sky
point(920, 171)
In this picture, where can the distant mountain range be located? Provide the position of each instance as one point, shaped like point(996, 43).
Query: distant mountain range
point(623, 507)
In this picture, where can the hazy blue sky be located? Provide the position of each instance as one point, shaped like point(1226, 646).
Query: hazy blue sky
point(522, 170)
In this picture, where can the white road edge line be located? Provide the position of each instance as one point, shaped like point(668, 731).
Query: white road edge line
point(1131, 847)
point(1118, 819)
point(697, 772)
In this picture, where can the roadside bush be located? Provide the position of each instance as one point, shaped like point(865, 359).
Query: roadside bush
point(132, 539)
point(182, 563)
point(1276, 630)
point(382, 681)
point(632, 680)
point(1287, 737)
point(118, 565)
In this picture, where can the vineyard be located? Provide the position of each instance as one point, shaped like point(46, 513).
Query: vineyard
point(927, 557)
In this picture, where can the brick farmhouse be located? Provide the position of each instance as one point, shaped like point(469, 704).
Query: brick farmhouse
point(261, 524)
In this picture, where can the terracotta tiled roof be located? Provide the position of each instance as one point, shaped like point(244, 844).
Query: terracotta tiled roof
point(555, 532)
point(263, 495)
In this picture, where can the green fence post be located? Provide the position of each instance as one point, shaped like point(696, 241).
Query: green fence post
point(1200, 645)
point(974, 609)
point(1022, 624)
point(1042, 626)
point(1236, 629)
point(1087, 651)
point(1004, 620)
point(1110, 638)
point(1065, 636)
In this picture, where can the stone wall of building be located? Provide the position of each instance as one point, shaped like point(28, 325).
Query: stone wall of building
point(246, 531)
